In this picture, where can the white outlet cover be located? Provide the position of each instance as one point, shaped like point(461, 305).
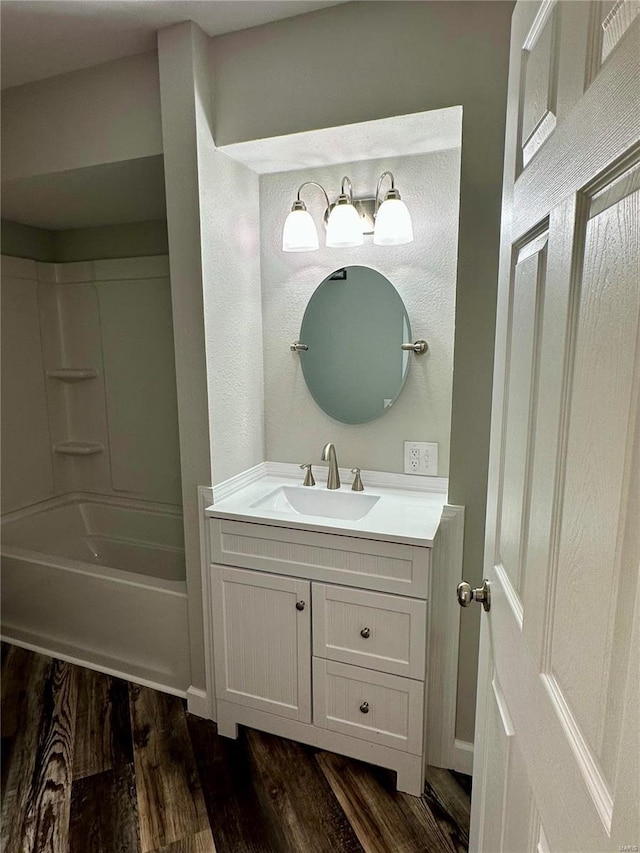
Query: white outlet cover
point(421, 457)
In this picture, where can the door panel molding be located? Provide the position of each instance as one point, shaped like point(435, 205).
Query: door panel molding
point(587, 762)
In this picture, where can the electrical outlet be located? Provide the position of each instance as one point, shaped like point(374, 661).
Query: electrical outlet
point(421, 457)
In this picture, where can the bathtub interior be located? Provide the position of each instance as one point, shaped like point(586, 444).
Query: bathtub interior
point(141, 540)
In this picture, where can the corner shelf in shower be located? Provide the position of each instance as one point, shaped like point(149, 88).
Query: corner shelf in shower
point(78, 448)
point(72, 374)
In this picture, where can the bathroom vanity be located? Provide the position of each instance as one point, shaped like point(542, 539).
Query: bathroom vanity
point(318, 612)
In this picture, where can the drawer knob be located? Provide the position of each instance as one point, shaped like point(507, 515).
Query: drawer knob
point(364, 707)
point(299, 605)
point(366, 633)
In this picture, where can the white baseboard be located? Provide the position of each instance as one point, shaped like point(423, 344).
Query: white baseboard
point(463, 757)
point(197, 702)
point(70, 654)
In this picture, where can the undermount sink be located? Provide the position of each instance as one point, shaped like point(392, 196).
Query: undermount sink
point(319, 502)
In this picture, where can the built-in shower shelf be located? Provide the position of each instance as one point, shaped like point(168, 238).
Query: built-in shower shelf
point(72, 374)
point(78, 448)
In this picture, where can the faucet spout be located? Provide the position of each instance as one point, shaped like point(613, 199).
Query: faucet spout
point(329, 455)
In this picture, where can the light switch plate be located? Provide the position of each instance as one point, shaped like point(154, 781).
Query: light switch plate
point(421, 457)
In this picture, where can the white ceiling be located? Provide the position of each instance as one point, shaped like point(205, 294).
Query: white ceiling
point(42, 38)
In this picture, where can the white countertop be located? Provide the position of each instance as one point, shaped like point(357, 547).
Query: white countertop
point(409, 509)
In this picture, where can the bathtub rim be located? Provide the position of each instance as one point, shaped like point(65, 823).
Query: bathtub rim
point(154, 507)
point(43, 558)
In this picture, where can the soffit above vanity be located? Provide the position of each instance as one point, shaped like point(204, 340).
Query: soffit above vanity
point(417, 133)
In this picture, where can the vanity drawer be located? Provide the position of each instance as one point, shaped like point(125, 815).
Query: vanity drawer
point(370, 629)
point(374, 706)
point(385, 566)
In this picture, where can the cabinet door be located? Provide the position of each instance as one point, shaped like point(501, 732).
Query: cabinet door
point(262, 641)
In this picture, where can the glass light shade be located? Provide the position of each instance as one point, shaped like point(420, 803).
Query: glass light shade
point(299, 233)
point(393, 224)
point(344, 228)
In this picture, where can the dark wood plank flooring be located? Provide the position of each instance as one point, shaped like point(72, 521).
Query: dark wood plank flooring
point(92, 764)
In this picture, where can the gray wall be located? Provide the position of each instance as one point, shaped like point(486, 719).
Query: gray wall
point(25, 241)
point(133, 240)
point(108, 113)
point(394, 58)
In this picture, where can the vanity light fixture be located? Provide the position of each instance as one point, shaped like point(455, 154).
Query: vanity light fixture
point(393, 223)
point(344, 228)
point(299, 233)
point(347, 220)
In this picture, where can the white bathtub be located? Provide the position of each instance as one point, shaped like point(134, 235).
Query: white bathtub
point(100, 582)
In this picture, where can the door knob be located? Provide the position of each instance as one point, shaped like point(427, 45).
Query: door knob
point(466, 594)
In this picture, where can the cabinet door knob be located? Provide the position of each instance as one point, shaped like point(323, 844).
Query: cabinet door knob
point(299, 605)
point(366, 633)
point(364, 707)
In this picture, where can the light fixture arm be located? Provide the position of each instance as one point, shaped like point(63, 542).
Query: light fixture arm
point(299, 201)
point(342, 192)
point(393, 192)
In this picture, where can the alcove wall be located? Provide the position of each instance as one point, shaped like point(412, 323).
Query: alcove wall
point(424, 274)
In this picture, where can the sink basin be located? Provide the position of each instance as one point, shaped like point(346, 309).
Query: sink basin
point(301, 500)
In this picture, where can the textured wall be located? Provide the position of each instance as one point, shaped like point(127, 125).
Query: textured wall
point(233, 314)
point(423, 272)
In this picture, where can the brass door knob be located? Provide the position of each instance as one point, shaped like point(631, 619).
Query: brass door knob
point(482, 594)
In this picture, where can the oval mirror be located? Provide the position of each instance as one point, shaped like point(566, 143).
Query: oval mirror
point(354, 327)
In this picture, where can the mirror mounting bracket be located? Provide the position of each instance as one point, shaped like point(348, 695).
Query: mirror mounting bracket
point(419, 347)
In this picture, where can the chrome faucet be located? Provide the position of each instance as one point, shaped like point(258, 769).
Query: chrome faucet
point(329, 455)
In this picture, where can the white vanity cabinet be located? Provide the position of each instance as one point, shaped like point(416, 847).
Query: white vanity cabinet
point(321, 633)
point(335, 665)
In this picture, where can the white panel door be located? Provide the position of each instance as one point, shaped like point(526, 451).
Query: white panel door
point(557, 753)
point(262, 641)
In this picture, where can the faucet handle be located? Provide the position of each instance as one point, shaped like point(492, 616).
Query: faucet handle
point(308, 477)
point(357, 481)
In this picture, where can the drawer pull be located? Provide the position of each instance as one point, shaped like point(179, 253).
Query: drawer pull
point(366, 633)
point(364, 707)
point(299, 605)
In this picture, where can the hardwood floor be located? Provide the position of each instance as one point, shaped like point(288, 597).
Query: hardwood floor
point(91, 764)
